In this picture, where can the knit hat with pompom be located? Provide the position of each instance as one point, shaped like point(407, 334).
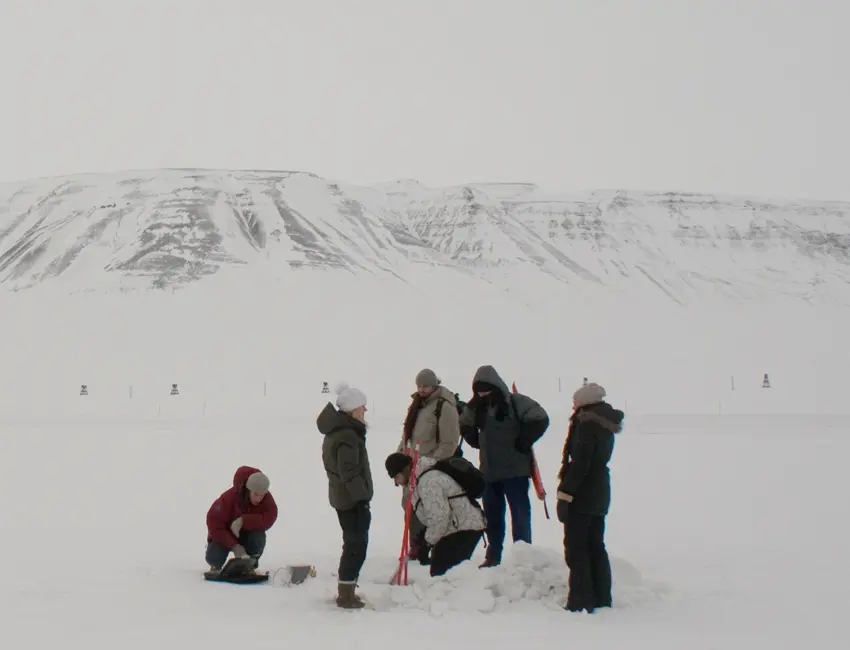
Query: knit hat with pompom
point(349, 399)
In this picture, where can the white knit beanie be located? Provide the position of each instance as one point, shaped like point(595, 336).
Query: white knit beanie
point(348, 398)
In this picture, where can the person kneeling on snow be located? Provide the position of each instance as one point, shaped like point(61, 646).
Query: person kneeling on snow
point(238, 520)
point(444, 501)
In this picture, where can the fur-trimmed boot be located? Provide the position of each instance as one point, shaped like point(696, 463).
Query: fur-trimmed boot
point(346, 598)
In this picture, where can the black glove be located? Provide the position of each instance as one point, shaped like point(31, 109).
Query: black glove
point(561, 506)
point(419, 538)
point(561, 510)
point(423, 554)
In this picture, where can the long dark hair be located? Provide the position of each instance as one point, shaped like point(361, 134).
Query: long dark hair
point(412, 413)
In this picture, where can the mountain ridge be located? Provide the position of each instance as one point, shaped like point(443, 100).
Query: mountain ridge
point(171, 228)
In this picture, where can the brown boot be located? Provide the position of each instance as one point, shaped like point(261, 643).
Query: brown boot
point(347, 599)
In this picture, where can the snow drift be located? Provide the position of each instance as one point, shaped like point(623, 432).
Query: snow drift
point(530, 576)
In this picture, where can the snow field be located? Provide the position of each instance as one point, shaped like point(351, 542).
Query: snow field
point(727, 528)
point(723, 533)
point(259, 356)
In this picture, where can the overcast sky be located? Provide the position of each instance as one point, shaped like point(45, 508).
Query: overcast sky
point(735, 96)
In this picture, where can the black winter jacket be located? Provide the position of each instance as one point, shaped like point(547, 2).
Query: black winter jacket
point(584, 470)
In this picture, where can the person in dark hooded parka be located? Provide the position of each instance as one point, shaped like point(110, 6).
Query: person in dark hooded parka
point(503, 426)
point(584, 497)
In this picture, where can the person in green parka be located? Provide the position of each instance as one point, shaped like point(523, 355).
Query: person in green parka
point(350, 488)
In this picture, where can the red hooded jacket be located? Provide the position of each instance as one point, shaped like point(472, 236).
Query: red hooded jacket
point(235, 503)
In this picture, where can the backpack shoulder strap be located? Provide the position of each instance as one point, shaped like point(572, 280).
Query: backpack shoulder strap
point(419, 478)
point(439, 466)
point(438, 411)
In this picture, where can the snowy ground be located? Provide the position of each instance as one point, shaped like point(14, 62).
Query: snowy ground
point(726, 532)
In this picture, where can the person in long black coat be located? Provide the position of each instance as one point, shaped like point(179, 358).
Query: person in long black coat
point(584, 497)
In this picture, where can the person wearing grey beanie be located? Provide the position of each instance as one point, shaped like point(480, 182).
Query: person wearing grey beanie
point(432, 425)
point(584, 497)
point(238, 520)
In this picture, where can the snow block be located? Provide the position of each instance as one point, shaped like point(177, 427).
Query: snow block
point(530, 578)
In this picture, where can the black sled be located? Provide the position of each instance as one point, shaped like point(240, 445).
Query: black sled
point(238, 571)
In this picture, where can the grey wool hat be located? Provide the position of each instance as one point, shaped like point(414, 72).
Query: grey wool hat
point(258, 483)
point(427, 377)
point(589, 394)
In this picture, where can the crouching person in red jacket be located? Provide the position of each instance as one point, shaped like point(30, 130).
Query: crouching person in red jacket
point(238, 520)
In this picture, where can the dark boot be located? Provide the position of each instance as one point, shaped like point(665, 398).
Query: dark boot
point(491, 558)
point(578, 608)
point(346, 598)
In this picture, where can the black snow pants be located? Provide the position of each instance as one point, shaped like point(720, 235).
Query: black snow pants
point(454, 549)
point(587, 559)
point(355, 524)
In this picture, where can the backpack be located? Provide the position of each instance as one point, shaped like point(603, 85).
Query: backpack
point(460, 404)
point(467, 475)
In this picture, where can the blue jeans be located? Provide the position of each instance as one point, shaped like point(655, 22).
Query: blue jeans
point(254, 543)
point(515, 491)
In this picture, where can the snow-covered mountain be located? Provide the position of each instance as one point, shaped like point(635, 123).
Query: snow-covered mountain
point(169, 228)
